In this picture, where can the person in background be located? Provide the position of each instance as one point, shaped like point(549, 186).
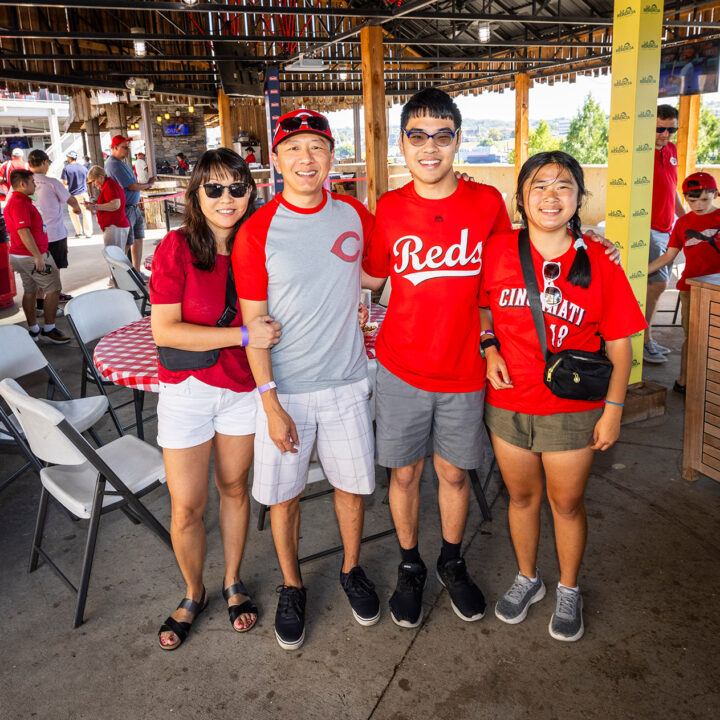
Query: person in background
point(182, 164)
point(118, 170)
point(666, 204)
point(16, 162)
point(29, 258)
point(141, 168)
point(250, 156)
point(74, 175)
point(542, 441)
point(86, 162)
point(51, 195)
point(209, 410)
point(697, 234)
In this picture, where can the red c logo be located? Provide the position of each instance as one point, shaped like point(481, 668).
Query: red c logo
point(337, 248)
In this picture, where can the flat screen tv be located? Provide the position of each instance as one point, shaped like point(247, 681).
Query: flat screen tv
point(177, 127)
point(689, 69)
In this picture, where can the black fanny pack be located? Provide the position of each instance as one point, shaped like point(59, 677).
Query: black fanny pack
point(177, 360)
point(570, 374)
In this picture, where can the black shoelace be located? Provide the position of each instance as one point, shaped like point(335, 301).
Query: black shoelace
point(358, 584)
point(291, 602)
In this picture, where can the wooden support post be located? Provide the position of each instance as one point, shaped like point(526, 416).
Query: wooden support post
point(117, 124)
point(376, 144)
point(225, 124)
point(147, 136)
point(92, 129)
point(356, 132)
point(522, 127)
point(687, 139)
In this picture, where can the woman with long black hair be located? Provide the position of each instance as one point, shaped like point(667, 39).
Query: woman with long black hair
point(585, 299)
point(206, 407)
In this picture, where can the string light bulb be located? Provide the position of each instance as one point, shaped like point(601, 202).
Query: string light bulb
point(191, 108)
point(167, 116)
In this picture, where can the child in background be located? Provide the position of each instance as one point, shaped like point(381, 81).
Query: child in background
point(697, 234)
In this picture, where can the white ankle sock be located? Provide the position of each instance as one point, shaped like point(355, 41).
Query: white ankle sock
point(34, 328)
point(565, 587)
point(48, 328)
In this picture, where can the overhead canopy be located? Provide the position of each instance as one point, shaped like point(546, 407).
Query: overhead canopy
point(192, 50)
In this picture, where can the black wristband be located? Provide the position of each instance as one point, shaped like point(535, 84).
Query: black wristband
point(490, 342)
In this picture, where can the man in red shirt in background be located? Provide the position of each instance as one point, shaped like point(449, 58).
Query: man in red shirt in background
point(666, 203)
point(29, 257)
point(429, 238)
point(16, 162)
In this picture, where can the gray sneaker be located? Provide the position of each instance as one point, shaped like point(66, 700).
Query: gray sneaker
point(566, 624)
point(513, 606)
point(657, 347)
point(651, 355)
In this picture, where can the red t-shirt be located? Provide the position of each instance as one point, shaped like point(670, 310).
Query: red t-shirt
point(21, 213)
point(607, 307)
point(109, 191)
point(202, 294)
point(698, 236)
point(664, 189)
point(432, 251)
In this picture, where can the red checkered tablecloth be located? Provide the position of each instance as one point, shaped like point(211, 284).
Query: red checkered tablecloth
point(128, 356)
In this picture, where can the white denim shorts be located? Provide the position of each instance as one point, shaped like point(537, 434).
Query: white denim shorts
point(339, 420)
point(191, 412)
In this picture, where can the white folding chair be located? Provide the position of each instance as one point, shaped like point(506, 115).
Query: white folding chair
point(20, 356)
point(87, 482)
point(91, 316)
point(126, 276)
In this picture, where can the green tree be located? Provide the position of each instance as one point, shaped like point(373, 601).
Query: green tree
point(587, 138)
point(541, 139)
point(708, 148)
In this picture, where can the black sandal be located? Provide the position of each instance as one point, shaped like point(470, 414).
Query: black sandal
point(246, 608)
point(182, 629)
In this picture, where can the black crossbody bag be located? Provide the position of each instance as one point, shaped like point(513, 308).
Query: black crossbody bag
point(570, 374)
point(177, 360)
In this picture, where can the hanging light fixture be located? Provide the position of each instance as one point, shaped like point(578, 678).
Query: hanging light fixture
point(159, 118)
point(190, 2)
point(484, 32)
point(139, 45)
point(191, 108)
point(167, 116)
point(343, 76)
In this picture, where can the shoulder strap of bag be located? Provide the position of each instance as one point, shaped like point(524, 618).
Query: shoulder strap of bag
point(230, 289)
point(533, 292)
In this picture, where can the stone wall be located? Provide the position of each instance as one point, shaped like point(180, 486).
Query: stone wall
point(166, 147)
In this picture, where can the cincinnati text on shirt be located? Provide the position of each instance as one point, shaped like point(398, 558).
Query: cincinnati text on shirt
point(565, 310)
point(442, 261)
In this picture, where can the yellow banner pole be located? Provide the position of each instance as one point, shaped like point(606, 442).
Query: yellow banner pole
point(637, 32)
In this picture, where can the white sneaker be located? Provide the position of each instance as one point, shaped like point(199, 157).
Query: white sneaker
point(651, 355)
point(658, 347)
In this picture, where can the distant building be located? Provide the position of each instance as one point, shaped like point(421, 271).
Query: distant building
point(482, 154)
point(563, 127)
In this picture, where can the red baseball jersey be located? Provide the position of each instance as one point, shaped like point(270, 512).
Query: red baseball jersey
point(21, 213)
point(606, 308)
point(432, 250)
point(664, 189)
point(698, 236)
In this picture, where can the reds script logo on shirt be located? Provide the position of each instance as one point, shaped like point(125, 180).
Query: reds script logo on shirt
point(337, 248)
point(409, 247)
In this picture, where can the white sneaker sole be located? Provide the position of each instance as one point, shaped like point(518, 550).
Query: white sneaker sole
point(514, 621)
point(572, 638)
point(366, 622)
point(407, 623)
point(473, 618)
point(293, 645)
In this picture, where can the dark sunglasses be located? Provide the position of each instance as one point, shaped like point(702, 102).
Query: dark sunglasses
point(662, 131)
point(216, 190)
point(293, 124)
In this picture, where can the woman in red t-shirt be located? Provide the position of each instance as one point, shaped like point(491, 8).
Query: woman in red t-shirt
point(110, 208)
point(208, 409)
point(584, 296)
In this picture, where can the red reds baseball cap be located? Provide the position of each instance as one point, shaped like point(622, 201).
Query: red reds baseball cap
point(301, 120)
point(699, 181)
point(119, 139)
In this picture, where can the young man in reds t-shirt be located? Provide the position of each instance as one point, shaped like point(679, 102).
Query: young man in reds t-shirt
point(299, 257)
point(29, 258)
point(666, 203)
point(428, 238)
point(697, 234)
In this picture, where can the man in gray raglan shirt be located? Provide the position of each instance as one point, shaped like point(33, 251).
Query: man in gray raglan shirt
point(299, 257)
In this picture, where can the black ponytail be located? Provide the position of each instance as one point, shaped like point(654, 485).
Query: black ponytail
point(579, 273)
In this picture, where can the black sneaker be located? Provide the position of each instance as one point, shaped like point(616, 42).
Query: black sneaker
point(34, 334)
point(54, 336)
point(361, 593)
point(465, 596)
point(406, 601)
point(290, 617)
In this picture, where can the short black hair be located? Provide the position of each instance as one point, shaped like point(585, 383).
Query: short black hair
point(667, 112)
point(19, 176)
point(433, 102)
point(37, 157)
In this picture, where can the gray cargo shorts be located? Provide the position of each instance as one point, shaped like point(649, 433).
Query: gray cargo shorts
point(408, 417)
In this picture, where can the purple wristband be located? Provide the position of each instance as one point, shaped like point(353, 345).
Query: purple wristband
point(266, 387)
point(245, 336)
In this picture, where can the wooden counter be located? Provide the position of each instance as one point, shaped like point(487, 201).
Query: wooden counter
point(701, 447)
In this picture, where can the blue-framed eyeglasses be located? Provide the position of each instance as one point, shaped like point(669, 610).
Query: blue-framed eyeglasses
point(418, 138)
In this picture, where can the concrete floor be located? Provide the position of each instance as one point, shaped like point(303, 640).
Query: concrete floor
point(649, 579)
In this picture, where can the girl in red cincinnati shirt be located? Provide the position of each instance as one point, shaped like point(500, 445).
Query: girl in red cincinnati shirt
point(584, 296)
point(211, 409)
